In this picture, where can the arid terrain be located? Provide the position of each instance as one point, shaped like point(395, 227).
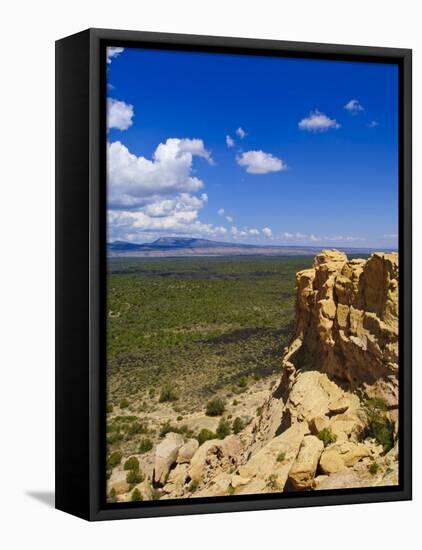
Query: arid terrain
point(252, 376)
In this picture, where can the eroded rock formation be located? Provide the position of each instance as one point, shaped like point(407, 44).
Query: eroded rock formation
point(347, 322)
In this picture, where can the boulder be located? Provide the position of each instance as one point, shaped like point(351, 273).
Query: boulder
point(318, 424)
point(302, 472)
point(269, 467)
point(177, 480)
point(187, 451)
point(341, 455)
point(310, 396)
point(343, 479)
point(213, 456)
point(165, 456)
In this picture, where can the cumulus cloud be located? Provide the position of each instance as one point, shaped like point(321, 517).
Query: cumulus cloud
point(220, 211)
point(132, 180)
point(258, 162)
point(113, 52)
point(151, 197)
point(267, 232)
point(119, 114)
point(373, 124)
point(229, 141)
point(241, 132)
point(354, 107)
point(229, 219)
point(318, 122)
point(130, 225)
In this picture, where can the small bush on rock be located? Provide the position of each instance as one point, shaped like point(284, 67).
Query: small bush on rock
point(327, 436)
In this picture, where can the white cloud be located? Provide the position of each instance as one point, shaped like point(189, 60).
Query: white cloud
point(220, 211)
point(113, 52)
point(254, 232)
point(373, 124)
point(148, 198)
point(133, 181)
point(119, 114)
point(267, 232)
point(391, 236)
point(354, 107)
point(318, 122)
point(130, 225)
point(229, 219)
point(258, 162)
point(229, 141)
point(241, 133)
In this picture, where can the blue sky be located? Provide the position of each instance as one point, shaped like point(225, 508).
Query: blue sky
point(251, 149)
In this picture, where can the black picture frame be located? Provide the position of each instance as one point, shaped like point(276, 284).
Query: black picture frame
point(80, 273)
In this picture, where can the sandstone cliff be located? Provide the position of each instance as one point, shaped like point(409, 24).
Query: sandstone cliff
point(347, 322)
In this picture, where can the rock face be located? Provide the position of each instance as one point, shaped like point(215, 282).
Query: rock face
point(347, 322)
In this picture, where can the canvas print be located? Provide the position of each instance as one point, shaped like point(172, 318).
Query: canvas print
point(252, 275)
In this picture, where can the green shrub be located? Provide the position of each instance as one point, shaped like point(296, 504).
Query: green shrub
point(243, 382)
point(327, 436)
point(109, 408)
point(114, 459)
point(379, 426)
point(134, 477)
point(168, 394)
point(137, 428)
point(179, 418)
point(205, 435)
point(136, 496)
point(131, 463)
point(167, 427)
point(238, 425)
point(112, 496)
point(281, 457)
point(374, 468)
point(151, 392)
point(124, 404)
point(114, 438)
point(145, 445)
point(223, 428)
point(193, 486)
point(215, 407)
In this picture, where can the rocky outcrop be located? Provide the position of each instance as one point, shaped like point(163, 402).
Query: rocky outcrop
point(347, 322)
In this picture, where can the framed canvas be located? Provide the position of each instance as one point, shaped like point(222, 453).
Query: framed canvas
point(233, 274)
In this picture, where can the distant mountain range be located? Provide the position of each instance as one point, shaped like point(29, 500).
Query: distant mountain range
point(181, 246)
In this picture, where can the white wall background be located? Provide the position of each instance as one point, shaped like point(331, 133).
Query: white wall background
point(28, 31)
